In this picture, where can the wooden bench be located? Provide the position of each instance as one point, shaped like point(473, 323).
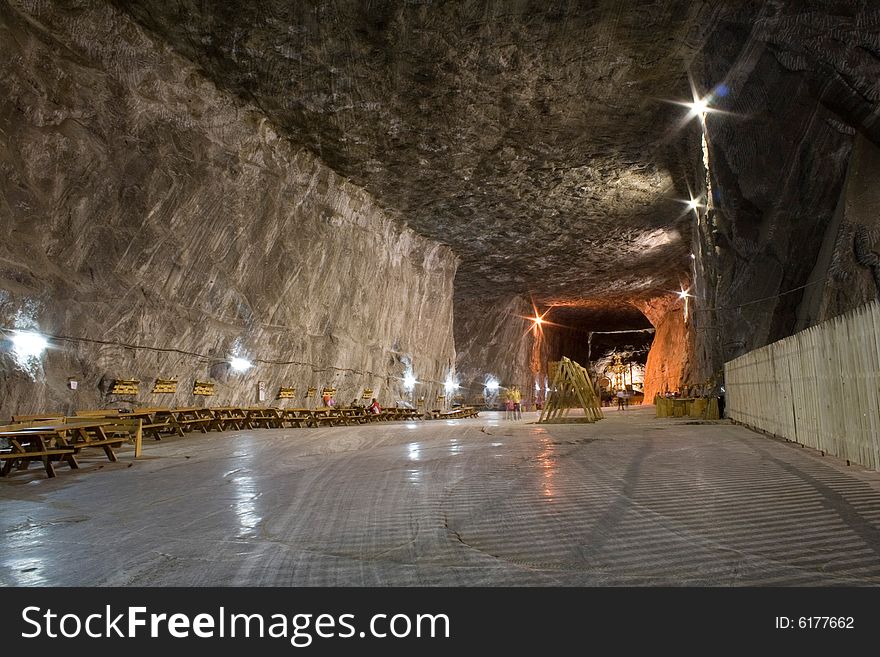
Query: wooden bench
point(297, 417)
point(101, 413)
point(27, 447)
point(328, 416)
point(211, 421)
point(107, 434)
point(30, 440)
point(348, 415)
point(62, 441)
point(155, 421)
point(373, 417)
point(229, 417)
point(465, 412)
point(46, 417)
point(356, 414)
point(405, 414)
point(268, 418)
point(188, 419)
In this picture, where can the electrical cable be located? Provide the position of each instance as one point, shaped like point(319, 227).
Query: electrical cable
point(754, 301)
point(212, 359)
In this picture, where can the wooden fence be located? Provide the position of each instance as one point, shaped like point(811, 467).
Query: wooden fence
point(819, 387)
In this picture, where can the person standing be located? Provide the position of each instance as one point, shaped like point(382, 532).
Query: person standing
point(621, 400)
point(517, 403)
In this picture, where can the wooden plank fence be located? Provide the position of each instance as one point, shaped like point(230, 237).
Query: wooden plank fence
point(819, 387)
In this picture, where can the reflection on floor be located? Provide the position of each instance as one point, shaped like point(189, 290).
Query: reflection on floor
point(631, 500)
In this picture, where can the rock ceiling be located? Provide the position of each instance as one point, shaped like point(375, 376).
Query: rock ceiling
point(532, 137)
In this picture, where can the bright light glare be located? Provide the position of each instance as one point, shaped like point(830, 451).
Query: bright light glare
point(409, 381)
point(240, 364)
point(27, 345)
point(450, 385)
point(693, 257)
point(693, 204)
point(538, 320)
point(699, 106)
point(683, 294)
point(492, 385)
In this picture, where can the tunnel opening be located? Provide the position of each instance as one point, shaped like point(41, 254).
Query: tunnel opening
point(611, 341)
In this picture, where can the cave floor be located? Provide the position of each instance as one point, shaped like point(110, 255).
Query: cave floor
point(631, 500)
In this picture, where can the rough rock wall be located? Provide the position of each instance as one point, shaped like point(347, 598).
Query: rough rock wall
point(847, 276)
point(670, 363)
point(797, 81)
point(531, 127)
point(140, 206)
point(492, 339)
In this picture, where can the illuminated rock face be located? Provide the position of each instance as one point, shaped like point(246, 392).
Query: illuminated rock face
point(523, 152)
point(141, 205)
point(670, 361)
point(532, 138)
point(493, 342)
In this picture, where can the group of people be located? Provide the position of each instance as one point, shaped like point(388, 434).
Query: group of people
point(374, 407)
point(513, 404)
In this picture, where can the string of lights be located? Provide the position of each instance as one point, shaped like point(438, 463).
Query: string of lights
point(699, 108)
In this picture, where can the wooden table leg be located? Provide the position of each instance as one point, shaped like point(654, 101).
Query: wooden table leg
point(138, 439)
point(110, 454)
point(47, 460)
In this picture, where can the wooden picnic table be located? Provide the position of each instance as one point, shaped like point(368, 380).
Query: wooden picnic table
point(268, 418)
point(230, 417)
point(45, 417)
point(355, 414)
point(296, 417)
point(177, 420)
point(63, 440)
point(43, 443)
point(154, 421)
point(326, 416)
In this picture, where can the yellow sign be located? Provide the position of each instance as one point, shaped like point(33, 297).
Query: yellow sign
point(205, 388)
point(125, 387)
point(165, 386)
point(286, 393)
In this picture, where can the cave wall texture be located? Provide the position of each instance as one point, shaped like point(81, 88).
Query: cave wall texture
point(139, 204)
point(331, 186)
point(670, 364)
point(492, 339)
point(847, 271)
point(529, 136)
point(801, 83)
